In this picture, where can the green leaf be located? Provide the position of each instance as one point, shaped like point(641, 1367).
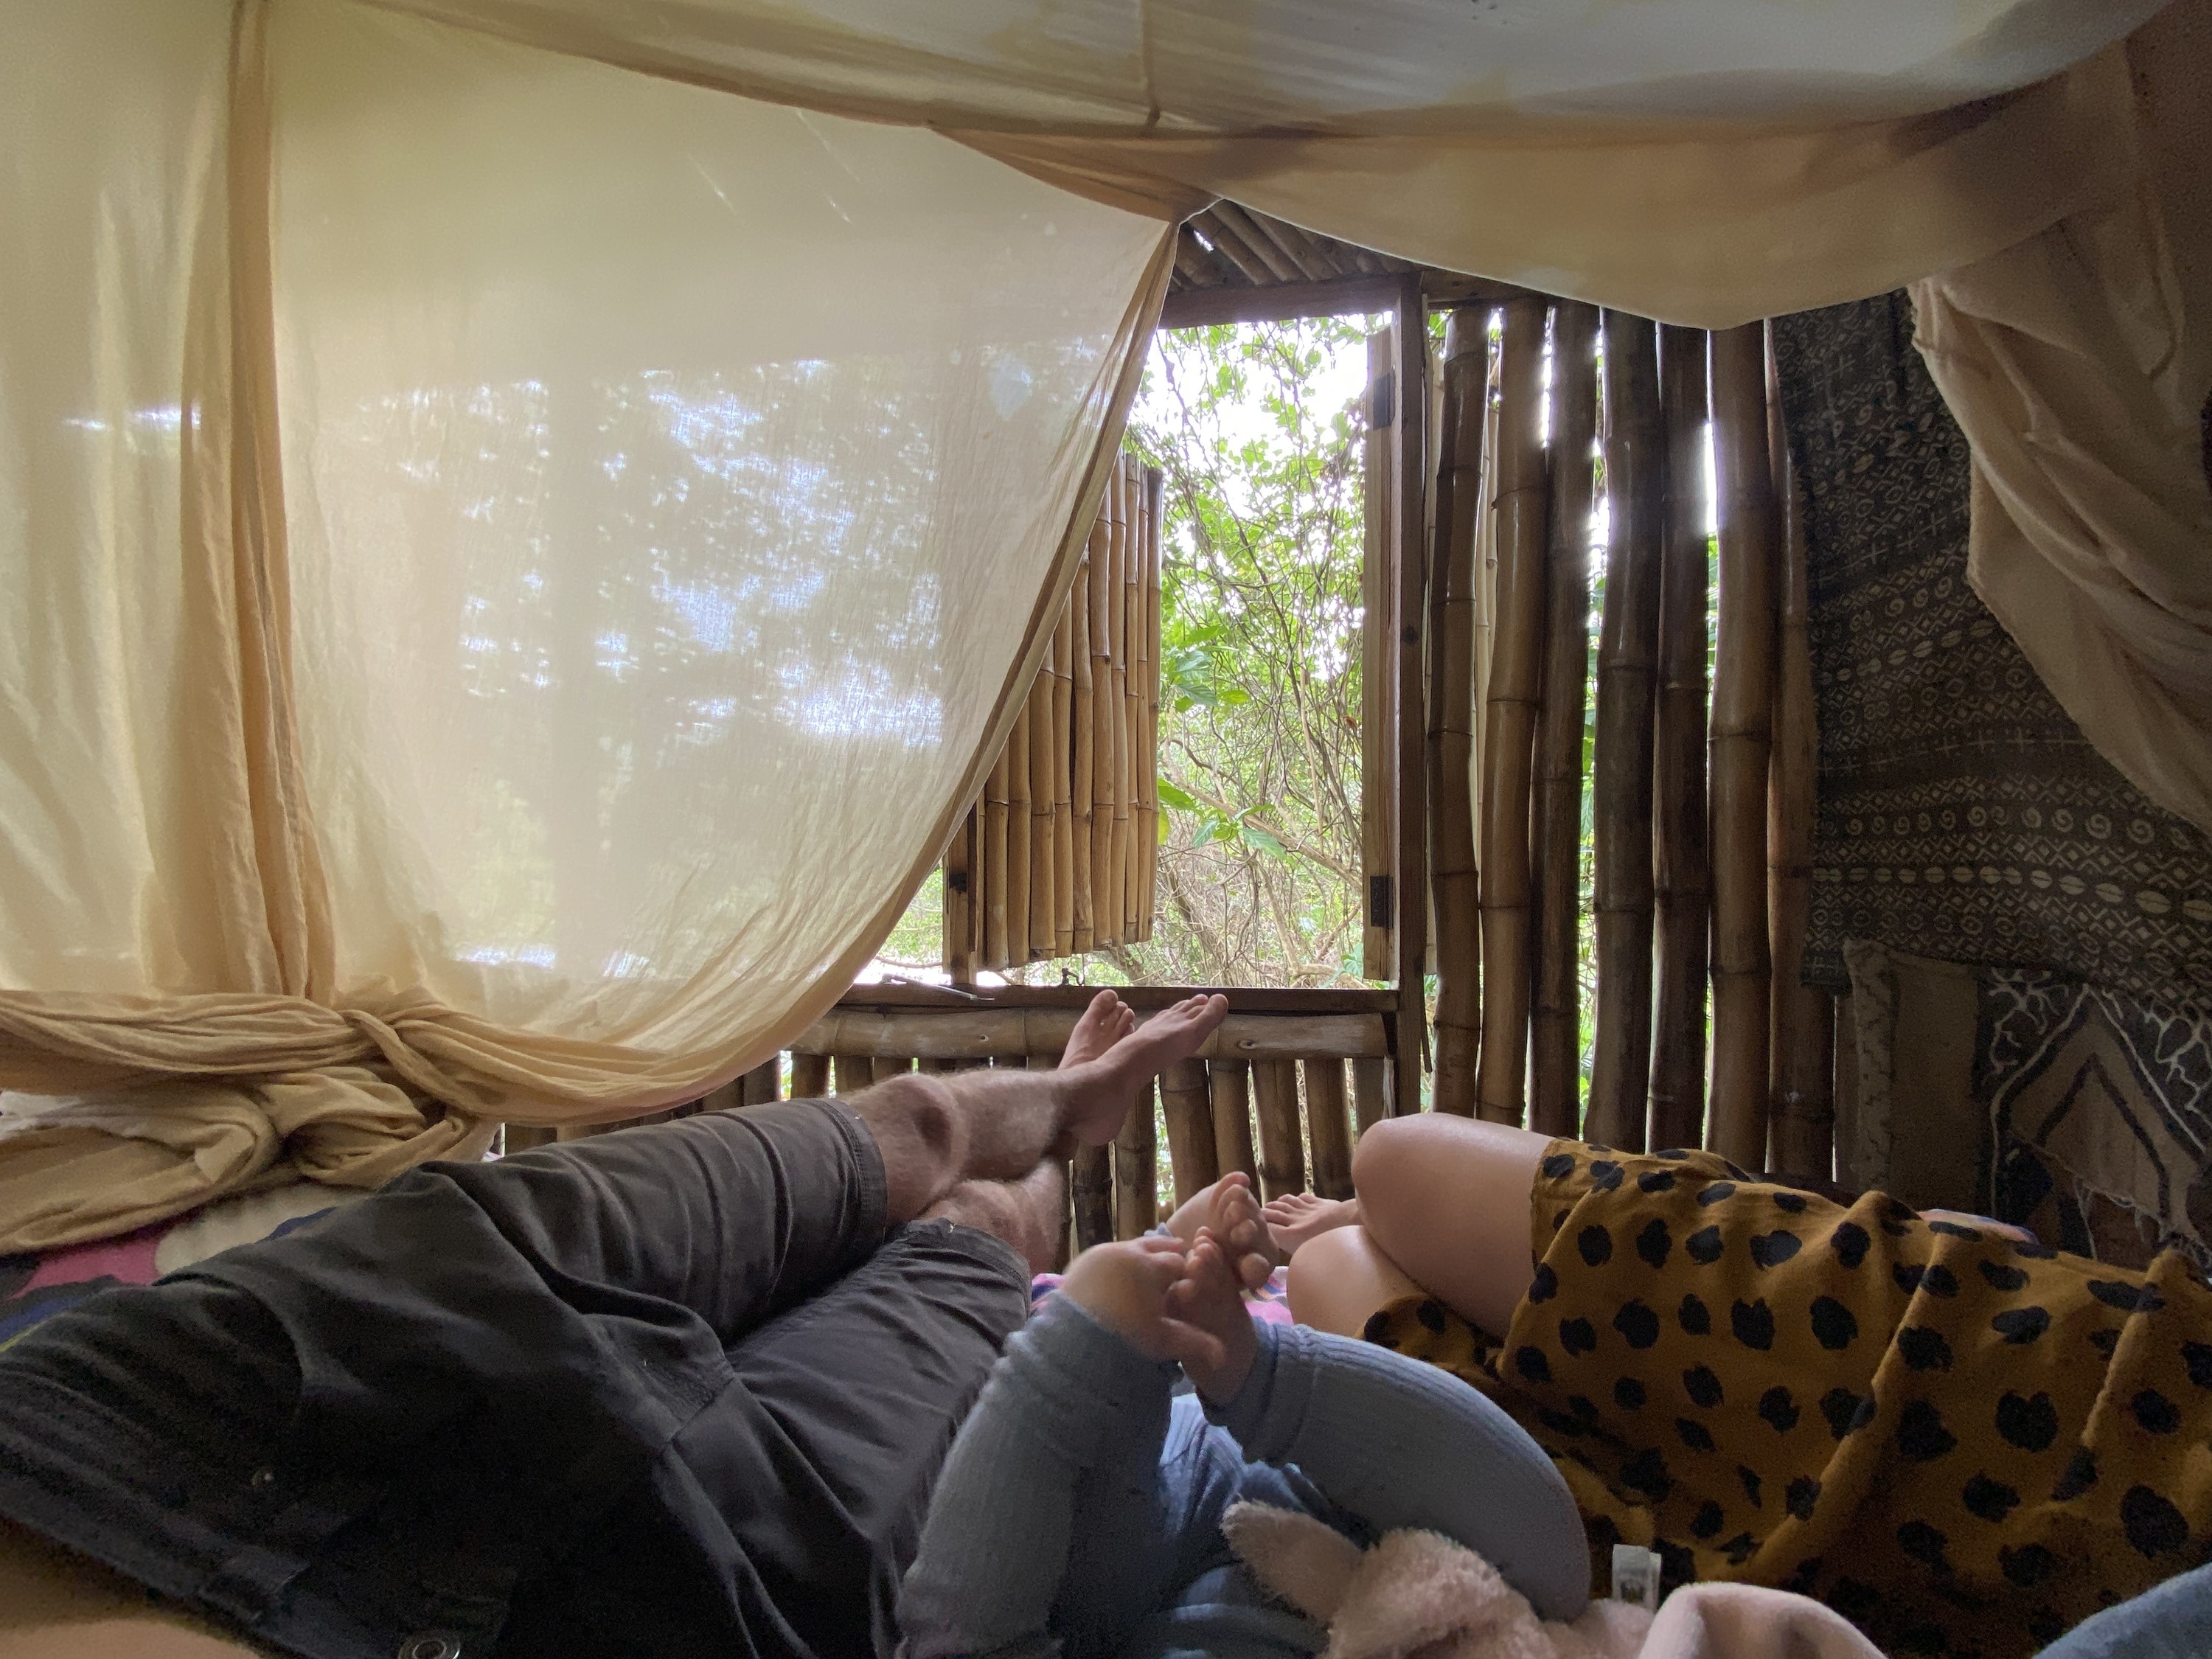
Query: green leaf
point(1252, 835)
point(1180, 798)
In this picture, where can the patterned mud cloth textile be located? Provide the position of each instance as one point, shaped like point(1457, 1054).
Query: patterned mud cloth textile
point(1963, 1445)
point(1962, 814)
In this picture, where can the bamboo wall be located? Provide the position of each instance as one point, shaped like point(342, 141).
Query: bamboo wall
point(1059, 854)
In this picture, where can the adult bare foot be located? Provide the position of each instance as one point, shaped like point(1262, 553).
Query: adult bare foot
point(1210, 1333)
point(1296, 1217)
point(1105, 1087)
point(1104, 1023)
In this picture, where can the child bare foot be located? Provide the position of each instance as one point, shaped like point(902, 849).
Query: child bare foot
point(1296, 1217)
point(1103, 1023)
point(1211, 1335)
point(1105, 1086)
point(1234, 1219)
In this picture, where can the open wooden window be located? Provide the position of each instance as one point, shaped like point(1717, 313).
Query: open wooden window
point(1060, 855)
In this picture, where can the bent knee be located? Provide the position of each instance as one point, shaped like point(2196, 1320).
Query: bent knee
point(919, 1106)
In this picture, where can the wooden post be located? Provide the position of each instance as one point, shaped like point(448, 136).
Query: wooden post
point(762, 1084)
point(1116, 712)
point(809, 1076)
point(1105, 709)
point(1082, 737)
point(1803, 1101)
point(1742, 734)
point(1134, 671)
point(996, 862)
point(1187, 1105)
point(854, 1072)
point(1679, 857)
point(1370, 1095)
point(1136, 1170)
point(1620, 783)
point(1044, 884)
point(1148, 753)
point(1282, 1148)
point(1063, 794)
point(1020, 846)
point(1409, 882)
point(1523, 492)
point(1555, 1030)
point(1229, 1081)
point(1090, 1183)
point(1329, 1127)
point(1377, 653)
point(1462, 498)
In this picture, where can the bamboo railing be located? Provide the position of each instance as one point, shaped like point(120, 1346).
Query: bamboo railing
point(1059, 854)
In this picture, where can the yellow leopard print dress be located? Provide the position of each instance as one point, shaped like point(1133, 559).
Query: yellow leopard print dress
point(1962, 1444)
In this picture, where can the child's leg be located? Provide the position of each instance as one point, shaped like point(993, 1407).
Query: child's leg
point(1339, 1279)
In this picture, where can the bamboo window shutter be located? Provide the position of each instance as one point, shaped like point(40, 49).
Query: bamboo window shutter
point(1058, 856)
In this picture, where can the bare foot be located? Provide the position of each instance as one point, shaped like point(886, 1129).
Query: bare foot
point(1296, 1217)
point(1211, 1334)
point(1105, 1087)
point(1234, 1219)
point(1104, 1023)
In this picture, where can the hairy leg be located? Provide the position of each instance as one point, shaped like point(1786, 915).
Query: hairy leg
point(1024, 1214)
point(1339, 1278)
point(938, 1130)
point(1447, 1199)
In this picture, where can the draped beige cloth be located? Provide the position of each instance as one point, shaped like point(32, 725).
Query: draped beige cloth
point(529, 515)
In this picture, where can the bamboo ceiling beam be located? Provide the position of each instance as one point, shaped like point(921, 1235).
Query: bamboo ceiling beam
point(1742, 740)
point(1268, 302)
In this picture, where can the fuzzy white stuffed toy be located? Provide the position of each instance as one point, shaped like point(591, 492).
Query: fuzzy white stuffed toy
point(1419, 1595)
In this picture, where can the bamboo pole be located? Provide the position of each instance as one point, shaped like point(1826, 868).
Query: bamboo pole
point(1136, 1168)
point(1063, 790)
point(1510, 714)
point(1044, 882)
point(1460, 503)
point(852, 1072)
point(1148, 840)
point(762, 1084)
point(1556, 828)
point(1090, 1183)
point(978, 1033)
point(1106, 652)
point(1682, 881)
point(1275, 1109)
point(1802, 1100)
point(1018, 845)
point(1133, 672)
point(992, 881)
point(1329, 1127)
point(1371, 1094)
point(1743, 739)
point(1082, 737)
point(962, 872)
point(1620, 783)
point(1409, 880)
point(809, 1076)
point(1229, 1081)
point(1376, 657)
point(1186, 1107)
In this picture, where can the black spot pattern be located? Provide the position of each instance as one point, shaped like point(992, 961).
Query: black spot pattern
point(2002, 1276)
point(2198, 1357)
point(1772, 1250)
point(1629, 1394)
point(1704, 1246)
point(1557, 1165)
point(2030, 1423)
point(1739, 1548)
point(1646, 1473)
point(1790, 1203)
point(1545, 1285)
point(1697, 1319)
point(1850, 1243)
point(1596, 1245)
point(1583, 1407)
point(2027, 1566)
point(2152, 1525)
point(1577, 1337)
point(1753, 1324)
point(1921, 1434)
point(1719, 1192)
point(1655, 1243)
point(1751, 1485)
point(1922, 1349)
point(1604, 1175)
point(1834, 1326)
point(1840, 1407)
point(2155, 1413)
point(1992, 1500)
point(1695, 1435)
point(2020, 1326)
point(1703, 1387)
point(1804, 1492)
point(1708, 1521)
point(2079, 1476)
point(1778, 1410)
point(2129, 1298)
point(1955, 1230)
point(1638, 1325)
point(1656, 1180)
point(2105, 1342)
point(1532, 1364)
point(1924, 1543)
point(1431, 1315)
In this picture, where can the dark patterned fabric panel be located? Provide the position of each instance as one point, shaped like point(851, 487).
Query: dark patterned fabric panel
point(1962, 814)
